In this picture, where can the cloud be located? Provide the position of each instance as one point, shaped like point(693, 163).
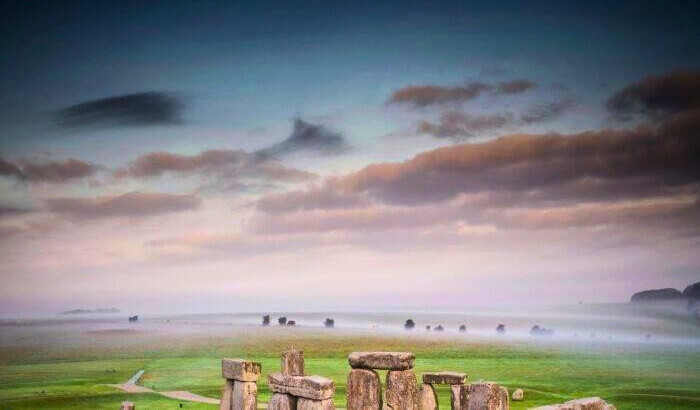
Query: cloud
point(546, 112)
point(229, 164)
point(458, 125)
point(139, 109)
point(648, 176)
point(421, 96)
point(658, 95)
point(47, 171)
point(453, 124)
point(308, 137)
point(132, 205)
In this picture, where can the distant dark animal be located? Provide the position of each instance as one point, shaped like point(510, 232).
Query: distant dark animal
point(541, 331)
point(463, 328)
point(439, 328)
point(501, 328)
point(266, 320)
point(134, 318)
point(409, 325)
point(329, 322)
point(291, 323)
point(427, 328)
point(282, 321)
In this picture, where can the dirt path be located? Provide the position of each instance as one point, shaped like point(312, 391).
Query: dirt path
point(131, 387)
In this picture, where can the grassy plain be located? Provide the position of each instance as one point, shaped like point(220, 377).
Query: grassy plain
point(72, 370)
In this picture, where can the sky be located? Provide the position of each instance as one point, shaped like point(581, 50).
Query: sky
point(211, 156)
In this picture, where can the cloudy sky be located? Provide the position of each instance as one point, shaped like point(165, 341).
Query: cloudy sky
point(230, 156)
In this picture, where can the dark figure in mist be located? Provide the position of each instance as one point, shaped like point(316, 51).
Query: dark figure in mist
point(409, 325)
point(501, 328)
point(329, 322)
point(463, 328)
point(439, 328)
point(427, 328)
point(282, 321)
point(291, 323)
point(266, 320)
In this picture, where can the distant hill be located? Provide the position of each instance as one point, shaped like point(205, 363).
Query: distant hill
point(90, 311)
point(657, 294)
point(690, 292)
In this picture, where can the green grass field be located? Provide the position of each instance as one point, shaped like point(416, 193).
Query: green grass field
point(74, 375)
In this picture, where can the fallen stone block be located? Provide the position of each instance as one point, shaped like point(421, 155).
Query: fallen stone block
point(241, 370)
point(309, 387)
point(487, 396)
point(245, 396)
point(401, 389)
point(226, 395)
point(427, 399)
point(459, 397)
point(518, 395)
point(127, 405)
point(444, 378)
point(293, 362)
point(280, 401)
point(364, 390)
point(382, 360)
point(588, 403)
point(310, 404)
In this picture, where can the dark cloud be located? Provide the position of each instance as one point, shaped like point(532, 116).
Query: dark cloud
point(546, 112)
point(308, 137)
point(132, 205)
point(457, 125)
point(12, 210)
point(139, 109)
point(421, 96)
point(658, 95)
point(514, 87)
point(231, 165)
point(47, 171)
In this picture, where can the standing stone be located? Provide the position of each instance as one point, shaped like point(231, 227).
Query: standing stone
point(245, 396)
point(280, 401)
point(293, 362)
point(460, 396)
point(382, 360)
point(487, 396)
point(518, 395)
point(427, 399)
point(310, 404)
point(239, 369)
point(505, 397)
point(226, 395)
point(309, 387)
point(444, 378)
point(401, 389)
point(364, 390)
point(127, 405)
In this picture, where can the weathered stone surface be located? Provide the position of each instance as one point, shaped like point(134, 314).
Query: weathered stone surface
point(364, 390)
point(310, 387)
point(459, 397)
point(239, 369)
point(127, 405)
point(280, 401)
point(589, 403)
point(444, 378)
point(245, 396)
point(427, 399)
point(226, 395)
point(518, 395)
point(310, 404)
point(487, 396)
point(382, 360)
point(505, 397)
point(293, 362)
point(401, 389)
